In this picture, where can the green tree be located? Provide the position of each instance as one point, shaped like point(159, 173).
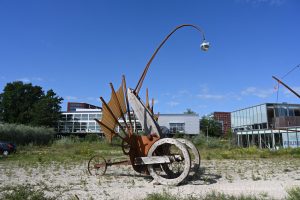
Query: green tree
point(189, 111)
point(46, 112)
point(23, 103)
point(208, 124)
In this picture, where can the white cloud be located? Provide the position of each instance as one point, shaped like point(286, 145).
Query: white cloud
point(29, 80)
point(205, 94)
point(70, 98)
point(211, 96)
point(24, 80)
point(173, 103)
point(204, 88)
point(289, 93)
point(261, 93)
point(181, 93)
point(38, 79)
point(268, 2)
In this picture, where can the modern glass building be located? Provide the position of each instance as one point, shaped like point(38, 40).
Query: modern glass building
point(267, 125)
point(82, 121)
point(79, 121)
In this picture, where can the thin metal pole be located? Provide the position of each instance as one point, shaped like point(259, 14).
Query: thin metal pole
point(140, 83)
point(127, 102)
point(285, 85)
point(108, 128)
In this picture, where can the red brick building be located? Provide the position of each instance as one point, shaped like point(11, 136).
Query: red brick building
point(73, 105)
point(225, 120)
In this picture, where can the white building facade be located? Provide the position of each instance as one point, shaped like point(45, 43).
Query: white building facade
point(82, 121)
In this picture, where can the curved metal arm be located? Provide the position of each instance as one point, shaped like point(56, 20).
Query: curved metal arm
point(140, 83)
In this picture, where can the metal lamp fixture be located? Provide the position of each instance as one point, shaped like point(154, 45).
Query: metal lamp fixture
point(204, 46)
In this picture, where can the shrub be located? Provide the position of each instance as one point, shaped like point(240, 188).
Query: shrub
point(293, 194)
point(24, 135)
point(92, 137)
point(21, 192)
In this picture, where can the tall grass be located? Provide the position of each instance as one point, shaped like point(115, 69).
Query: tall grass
point(218, 148)
point(293, 194)
point(24, 135)
point(210, 196)
point(67, 150)
point(23, 192)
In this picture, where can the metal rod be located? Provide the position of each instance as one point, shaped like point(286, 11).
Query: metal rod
point(108, 128)
point(152, 106)
point(140, 83)
point(135, 123)
point(285, 85)
point(112, 114)
point(127, 103)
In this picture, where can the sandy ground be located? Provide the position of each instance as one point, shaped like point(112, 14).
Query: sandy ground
point(258, 177)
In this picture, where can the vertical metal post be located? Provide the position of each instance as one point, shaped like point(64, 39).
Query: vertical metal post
point(259, 135)
point(273, 139)
point(242, 140)
point(297, 137)
point(288, 138)
point(248, 140)
point(206, 133)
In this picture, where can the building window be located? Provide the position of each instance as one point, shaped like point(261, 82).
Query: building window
point(177, 127)
point(84, 117)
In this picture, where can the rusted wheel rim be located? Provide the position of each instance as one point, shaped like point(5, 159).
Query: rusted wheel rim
point(195, 155)
point(97, 166)
point(175, 172)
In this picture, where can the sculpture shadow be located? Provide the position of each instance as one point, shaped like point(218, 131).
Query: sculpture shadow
point(201, 177)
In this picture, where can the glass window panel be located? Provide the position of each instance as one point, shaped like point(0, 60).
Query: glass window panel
point(177, 127)
point(258, 108)
point(264, 118)
point(84, 117)
point(92, 116)
point(77, 117)
point(248, 117)
point(69, 117)
point(63, 117)
point(232, 119)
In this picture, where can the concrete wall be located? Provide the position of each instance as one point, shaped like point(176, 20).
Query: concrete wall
point(192, 122)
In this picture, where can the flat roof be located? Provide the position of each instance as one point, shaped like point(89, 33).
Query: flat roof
point(268, 104)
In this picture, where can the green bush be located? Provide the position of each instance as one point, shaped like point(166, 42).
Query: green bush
point(21, 192)
point(210, 142)
point(24, 135)
point(210, 196)
point(294, 194)
point(92, 137)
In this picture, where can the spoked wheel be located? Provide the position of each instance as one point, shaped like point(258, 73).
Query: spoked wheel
point(97, 165)
point(125, 147)
point(172, 173)
point(194, 153)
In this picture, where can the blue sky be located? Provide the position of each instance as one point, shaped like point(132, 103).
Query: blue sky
point(77, 47)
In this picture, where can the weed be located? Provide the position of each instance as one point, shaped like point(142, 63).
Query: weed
point(293, 194)
point(210, 196)
point(21, 192)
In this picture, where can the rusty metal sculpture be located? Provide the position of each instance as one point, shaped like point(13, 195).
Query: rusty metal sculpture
point(167, 160)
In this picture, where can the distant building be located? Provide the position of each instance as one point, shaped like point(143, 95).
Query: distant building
point(224, 119)
point(72, 106)
point(268, 125)
point(81, 120)
point(180, 123)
